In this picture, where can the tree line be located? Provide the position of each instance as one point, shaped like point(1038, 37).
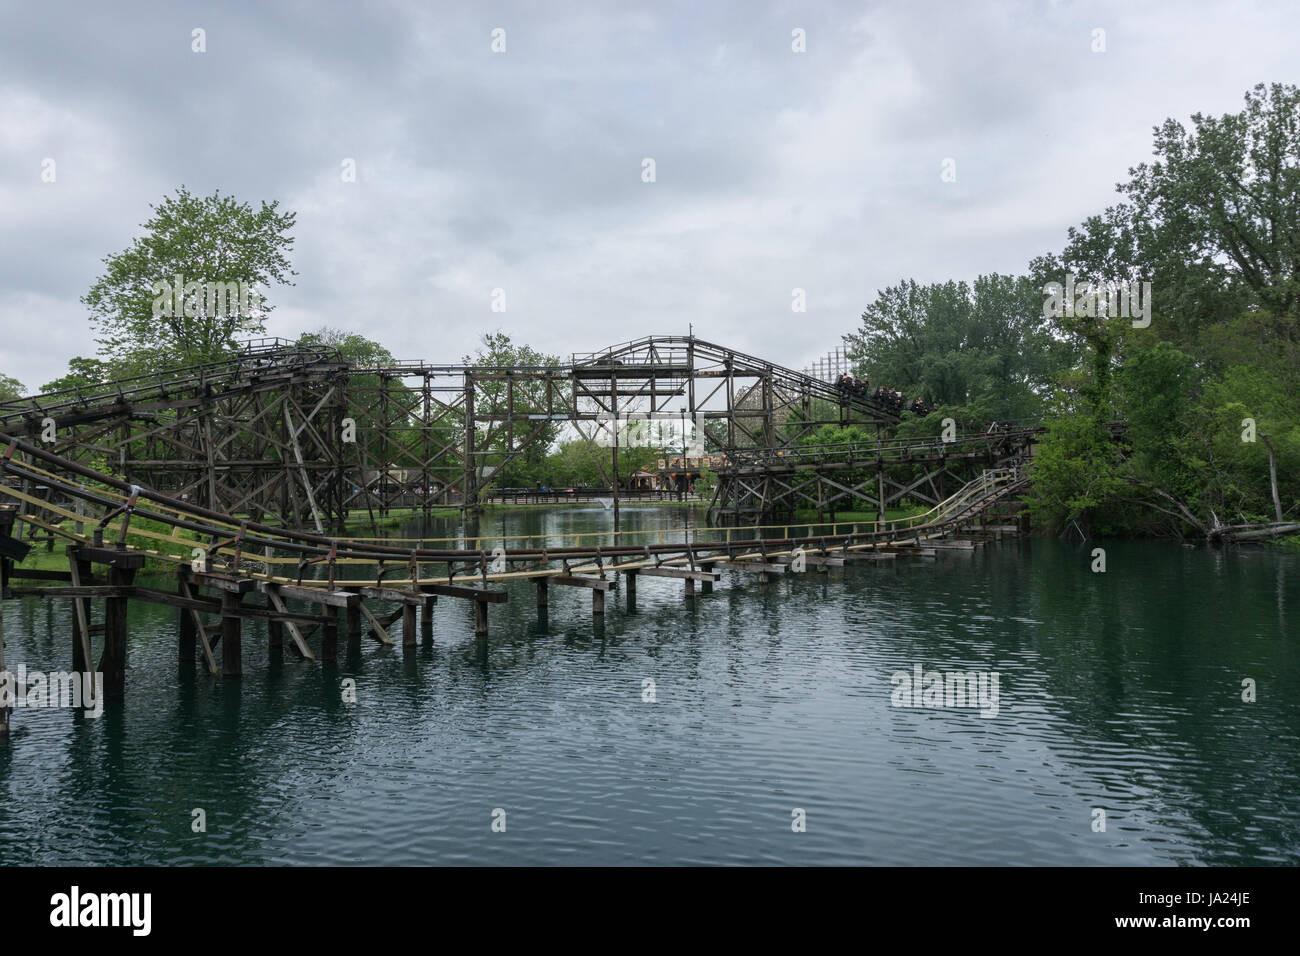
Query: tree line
point(1207, 384)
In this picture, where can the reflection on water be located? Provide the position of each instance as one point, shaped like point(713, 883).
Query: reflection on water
point(1119, 690)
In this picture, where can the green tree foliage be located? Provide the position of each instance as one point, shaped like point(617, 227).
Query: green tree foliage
point(10, 387)
point(518, 395)
point(954, 343)
point(213, 241)
point(83, 373)
point(1211, 222)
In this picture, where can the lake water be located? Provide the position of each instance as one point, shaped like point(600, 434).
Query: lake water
point(1119, 690)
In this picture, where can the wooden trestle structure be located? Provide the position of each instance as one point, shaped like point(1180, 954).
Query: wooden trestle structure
point(298, 436)
point(308, 587)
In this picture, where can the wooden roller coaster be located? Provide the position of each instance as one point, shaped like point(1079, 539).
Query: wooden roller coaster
point(253, 428)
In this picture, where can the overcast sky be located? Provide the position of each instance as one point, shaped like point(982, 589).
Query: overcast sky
point(522, 170)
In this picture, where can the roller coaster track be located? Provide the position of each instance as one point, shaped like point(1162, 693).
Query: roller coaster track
point(265, 431)
point(235, 541)
point(112, 528)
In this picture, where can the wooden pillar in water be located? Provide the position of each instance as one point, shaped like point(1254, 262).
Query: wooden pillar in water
point(597, 601)
point(481, 618)
point(329, 643)
point(186, 640)
point(353, 614)
point(80, 641)
point(543, 592)
point(112, 663)
point(275, 630)
point(81, 574)
point(631, 584)
point(188, 633)
point(426, 619)
point(408, 625)
point(232, 650)
point(4, 711)
point(690, 587)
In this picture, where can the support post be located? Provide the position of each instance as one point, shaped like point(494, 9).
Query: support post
point(4, 711)
point(187, 639)
point(543, 591)
point(232, 656)
point(113, 661)
point(329, 643)
point(408, 625)
point(597, 601)
point(481, 618)
point(426, 619)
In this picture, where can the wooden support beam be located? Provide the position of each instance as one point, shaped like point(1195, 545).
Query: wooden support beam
point(204, 643)
point(688, 574)
point(377, 628)
point(580, 581)
point(482, 595)
point(113, 661)
point(481, 618)
point(222, 582)
point(187, 641)
point(97, 591)
point(352, 614)
point(293, 592)
point(82, 660)
point(300, 642)
point(125, 560)
point(761, 567)
point(329, 642)
point(814, 560)
point(598, 600)
point(543, 591)
point(408, 625)
point(392, 594)
point(631, 583)
point(426, 619)
point(232, 661)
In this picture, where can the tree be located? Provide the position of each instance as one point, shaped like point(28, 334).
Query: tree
point(183, 291)
point(957, 344)
point(516, 396)
point(10, 387)
point(83, 373)
point(1212, 221)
